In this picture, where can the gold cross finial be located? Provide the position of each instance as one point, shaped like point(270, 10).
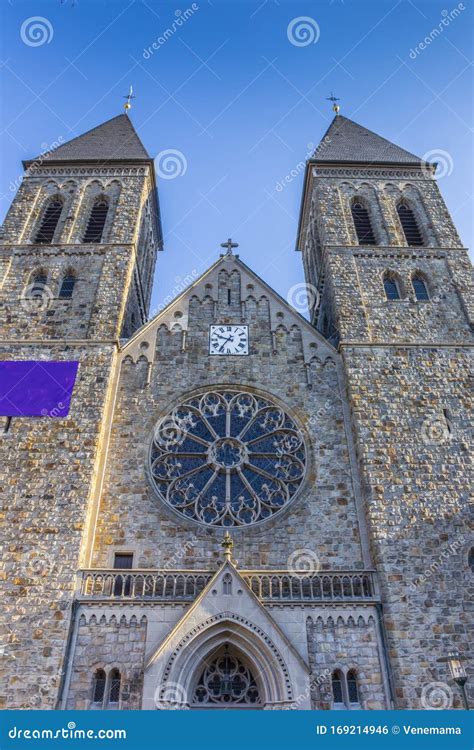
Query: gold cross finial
point(227, 545)
point(128, 103)
point(229, 245)
point(334, 99)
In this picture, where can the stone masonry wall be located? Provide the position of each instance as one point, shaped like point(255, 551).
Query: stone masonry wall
point(108, 642)
point(323, 519)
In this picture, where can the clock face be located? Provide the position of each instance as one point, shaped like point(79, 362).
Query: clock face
point(226, 339)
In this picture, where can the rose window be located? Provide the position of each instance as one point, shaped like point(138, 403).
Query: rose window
point(227, 458)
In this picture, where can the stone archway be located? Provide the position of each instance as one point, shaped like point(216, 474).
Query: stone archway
point(265, 672)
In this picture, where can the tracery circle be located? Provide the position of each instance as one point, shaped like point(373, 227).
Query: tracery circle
point(227, 458)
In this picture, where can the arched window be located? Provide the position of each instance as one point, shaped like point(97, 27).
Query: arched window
point(392, 291)
point(38, 285)
point(352, 690)
point(67, 286)
point(226, 682)
point(337, 693)
point(98, 686)
point(362, 224)
point(114, 687)
point(409, 225)
point(227, 584)
point(420, 289)
point(96, 223)
point(470, 559)
point(49, 222)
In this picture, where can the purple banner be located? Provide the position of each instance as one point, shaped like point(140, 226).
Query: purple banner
point(36, 388)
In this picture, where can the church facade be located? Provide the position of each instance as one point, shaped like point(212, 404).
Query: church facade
point(241, 509)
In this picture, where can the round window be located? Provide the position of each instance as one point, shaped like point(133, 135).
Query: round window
point(227, 458)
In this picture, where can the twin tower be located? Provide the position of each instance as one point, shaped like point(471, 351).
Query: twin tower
point(336, 453)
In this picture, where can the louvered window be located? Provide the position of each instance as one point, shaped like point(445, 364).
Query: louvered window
point(362, 224)
point(67, 286)
point(49, 222)
point(409, 225)
point(419, 287)
point(391, 289)
point(96, 223)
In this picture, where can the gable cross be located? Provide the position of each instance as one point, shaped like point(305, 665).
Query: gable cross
point(229, 245)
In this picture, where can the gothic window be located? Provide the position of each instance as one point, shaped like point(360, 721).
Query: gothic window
point(362, 223)
point(96, 223)
point(49, 221)
point(67, 286)
point(420, 289)
point(352, 690)
point(227, 584)
point(409, 225)
point(98, 686)
point(337, 695)
point(114, 687)
point(37, 287)
point(226, 681)
point(392, 291)
point(227, 458)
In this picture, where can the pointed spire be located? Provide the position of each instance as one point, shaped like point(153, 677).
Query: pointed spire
point(346, 141)
point(113, 140)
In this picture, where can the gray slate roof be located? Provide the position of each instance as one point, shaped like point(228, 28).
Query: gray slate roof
point(115, 139)
point(346, 141)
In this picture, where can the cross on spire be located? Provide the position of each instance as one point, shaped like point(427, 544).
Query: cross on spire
point(128, 103)
point(229, 245)
point(334, 99)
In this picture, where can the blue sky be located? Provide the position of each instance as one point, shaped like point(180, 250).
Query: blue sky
point(241, 102)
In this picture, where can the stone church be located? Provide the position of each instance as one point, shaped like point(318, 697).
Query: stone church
point(233, 507)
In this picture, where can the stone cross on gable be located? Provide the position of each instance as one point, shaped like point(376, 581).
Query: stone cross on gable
point(229, 245)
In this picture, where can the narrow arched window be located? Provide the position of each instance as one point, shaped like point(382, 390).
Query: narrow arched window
point(470, 559)
point(67, 286)
point(409, 224)
point(419, 287)
point(96, 223)
point(49, 222)
point(362, 223)
point(392, 291)
point(114, 687)
point(38, 285)
point(337, 693)
point(352, 690)
point(98, 686)
point(227, 584)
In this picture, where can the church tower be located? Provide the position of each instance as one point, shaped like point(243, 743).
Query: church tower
point(394, 294)
point(77, 260)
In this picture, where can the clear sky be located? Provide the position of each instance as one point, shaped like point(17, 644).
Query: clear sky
point(239, 89)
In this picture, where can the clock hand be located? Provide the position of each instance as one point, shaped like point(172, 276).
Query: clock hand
point(231, 338)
